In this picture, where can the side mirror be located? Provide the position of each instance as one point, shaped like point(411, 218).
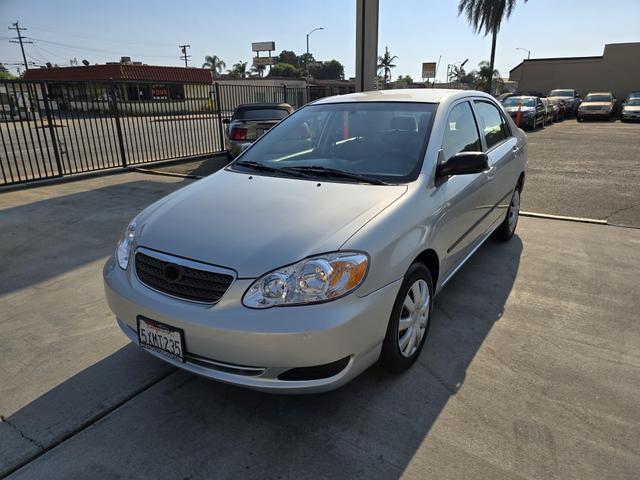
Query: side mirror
point(463, 163)
point(226, 121)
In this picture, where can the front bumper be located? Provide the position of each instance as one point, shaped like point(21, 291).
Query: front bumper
point(248, 347)
point(594, 113)
point(632, 115)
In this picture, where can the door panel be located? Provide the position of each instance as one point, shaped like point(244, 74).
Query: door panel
point(501, 148)
point(462, 196)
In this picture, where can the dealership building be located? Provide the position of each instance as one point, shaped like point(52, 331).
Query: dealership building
point(617, 70)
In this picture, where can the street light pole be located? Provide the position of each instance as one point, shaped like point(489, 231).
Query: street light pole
point(525, 50)
point(307, 61)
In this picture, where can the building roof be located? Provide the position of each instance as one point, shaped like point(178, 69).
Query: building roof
point(426, 95)
point(151, 73)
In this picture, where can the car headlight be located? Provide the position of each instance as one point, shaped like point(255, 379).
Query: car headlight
point(125, 244)
point(316, 279)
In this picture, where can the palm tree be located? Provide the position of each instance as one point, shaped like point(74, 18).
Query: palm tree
point(385, 63)
point(456, 75)
point(215, 64)
point(486, 16)
point(239, 70)
point(485, 78)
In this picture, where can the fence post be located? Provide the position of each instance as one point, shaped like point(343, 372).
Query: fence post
point(216, 90)
point(284, 92)
point(52, 130)
point(116, 114)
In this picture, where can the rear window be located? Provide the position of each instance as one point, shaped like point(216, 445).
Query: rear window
point(515, 101)
point(260, 114)
point(561, 93)
point(597, 98)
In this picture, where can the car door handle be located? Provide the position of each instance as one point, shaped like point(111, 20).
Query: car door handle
point(491, 172)
point(515, 149)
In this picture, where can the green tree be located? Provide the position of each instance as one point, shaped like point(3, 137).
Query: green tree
point(5, 74)
point(405, 79)
point(285, 70)
point(290, 57)
point(486, 16)
point(215, 64)
point(258, 70)
point(238, 70)
point(304, 60)
point(385, 63)
point(485, 77)
point(331, 70)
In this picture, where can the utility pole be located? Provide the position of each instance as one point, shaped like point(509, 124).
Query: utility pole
point(184, 56)
point(21, 41)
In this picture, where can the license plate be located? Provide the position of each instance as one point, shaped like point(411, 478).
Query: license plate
point(161, 338)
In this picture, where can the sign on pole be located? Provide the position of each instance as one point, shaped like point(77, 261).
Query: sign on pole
point(263, 61)
point(429, 70)
point(263, 46)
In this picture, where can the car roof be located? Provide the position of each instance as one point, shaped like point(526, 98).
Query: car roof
point(246, 106)
point(424, 95)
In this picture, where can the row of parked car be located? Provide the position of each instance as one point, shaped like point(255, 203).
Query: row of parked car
point(532, 110)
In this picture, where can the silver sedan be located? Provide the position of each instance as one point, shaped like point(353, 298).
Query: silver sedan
point(319, 251)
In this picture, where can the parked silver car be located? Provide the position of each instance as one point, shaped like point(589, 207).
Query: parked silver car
point(631, 109)
point(249, 121)
point(321, 248)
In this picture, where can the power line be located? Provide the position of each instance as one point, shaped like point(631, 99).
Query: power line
point(70, 33)
point(19, 38)
point(98, 50)
point(184, 56)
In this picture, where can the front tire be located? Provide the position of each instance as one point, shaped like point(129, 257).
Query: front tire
point(410, 320)
point(508, 226)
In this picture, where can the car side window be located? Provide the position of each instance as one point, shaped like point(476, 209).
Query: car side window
point(461, 132)
point(492, 123)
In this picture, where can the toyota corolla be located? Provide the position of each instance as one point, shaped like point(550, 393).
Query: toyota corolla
point(320, 249)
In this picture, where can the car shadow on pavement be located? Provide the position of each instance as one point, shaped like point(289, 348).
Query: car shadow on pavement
point(188, 427)
point(49, 237)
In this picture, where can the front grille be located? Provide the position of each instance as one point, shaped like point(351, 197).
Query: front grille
point(190, 284)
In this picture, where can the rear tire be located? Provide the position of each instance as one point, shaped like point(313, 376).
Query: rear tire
point(507, 228)
point(410, 319)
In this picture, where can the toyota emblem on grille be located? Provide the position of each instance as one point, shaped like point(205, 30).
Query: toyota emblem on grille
point(172, 273)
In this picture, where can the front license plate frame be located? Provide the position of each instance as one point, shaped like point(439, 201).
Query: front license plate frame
point(161, 338)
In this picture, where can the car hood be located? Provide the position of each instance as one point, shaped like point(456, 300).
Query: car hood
point(522, 109)
point(254, 224)
point(565, 99)
point(596, 104)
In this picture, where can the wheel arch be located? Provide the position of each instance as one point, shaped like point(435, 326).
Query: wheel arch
point(429, 258)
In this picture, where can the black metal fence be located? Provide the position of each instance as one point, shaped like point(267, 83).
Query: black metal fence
point(52, 129)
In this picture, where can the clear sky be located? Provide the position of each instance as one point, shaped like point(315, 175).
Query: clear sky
point(414, 30)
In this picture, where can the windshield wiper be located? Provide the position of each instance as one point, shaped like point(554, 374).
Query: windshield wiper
point(261, 167)
point(335, 173)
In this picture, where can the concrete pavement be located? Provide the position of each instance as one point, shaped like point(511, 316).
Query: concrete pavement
point(531, 369)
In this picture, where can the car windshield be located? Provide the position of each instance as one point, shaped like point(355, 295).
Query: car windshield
point(561, 93)
point(379, 140)
point(634, 101)
point(260, 114)
point(515, 101)
point(597, 98)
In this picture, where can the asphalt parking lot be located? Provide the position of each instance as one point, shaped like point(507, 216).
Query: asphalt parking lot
point(531, 369)
point(587, 169)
